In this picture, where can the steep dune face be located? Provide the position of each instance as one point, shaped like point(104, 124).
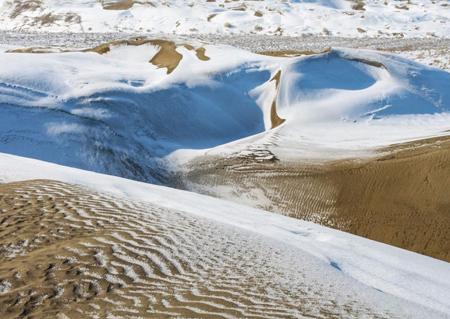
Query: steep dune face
point(401, 199)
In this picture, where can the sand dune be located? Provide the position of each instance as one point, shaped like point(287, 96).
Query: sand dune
point(400, 198)
point(68, 251)
point(120, 119)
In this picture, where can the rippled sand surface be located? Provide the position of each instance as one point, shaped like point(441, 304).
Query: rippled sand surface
point(66, 251)
point(399, 197)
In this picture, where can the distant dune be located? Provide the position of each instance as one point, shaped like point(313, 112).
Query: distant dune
point(368, 18)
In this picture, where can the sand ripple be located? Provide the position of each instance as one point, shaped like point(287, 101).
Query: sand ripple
point(66, 251)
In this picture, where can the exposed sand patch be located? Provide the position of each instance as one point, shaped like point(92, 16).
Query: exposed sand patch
point(65, 251)
point(167, 57)
point(211, 16)
point(35, 50)
point(294, 53)
point(358, 5)
point(369, 62)
point(401, 198)
point(106, 47)
point(201, 54)
point(117, 4)
point(25, 7)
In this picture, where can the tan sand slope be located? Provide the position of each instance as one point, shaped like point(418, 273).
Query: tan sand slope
point(402, 198)
point(66, 251)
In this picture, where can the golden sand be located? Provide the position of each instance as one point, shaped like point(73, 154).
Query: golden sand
point(68, 251)
point(401, 198)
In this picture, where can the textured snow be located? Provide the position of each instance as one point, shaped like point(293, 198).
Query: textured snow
point(276, 17)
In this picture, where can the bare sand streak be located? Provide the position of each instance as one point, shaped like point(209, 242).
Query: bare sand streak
point(275, 119)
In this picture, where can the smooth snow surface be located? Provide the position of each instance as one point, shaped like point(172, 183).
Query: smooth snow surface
point(421, 281)
point(274, 17)
point(119, 114)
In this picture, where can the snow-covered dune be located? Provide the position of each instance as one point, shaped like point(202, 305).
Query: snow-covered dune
point(358, 18)
point(117, 112)
point(420, 284)
point(348, 101)
point(122, 109)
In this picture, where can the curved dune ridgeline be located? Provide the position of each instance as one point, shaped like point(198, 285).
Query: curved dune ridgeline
point(401, 198)
point(167, 56)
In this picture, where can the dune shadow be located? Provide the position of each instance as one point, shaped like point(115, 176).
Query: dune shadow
point(331, 71)
point(128, 133)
